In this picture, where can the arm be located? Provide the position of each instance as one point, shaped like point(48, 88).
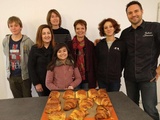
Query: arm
point(49, 80)
point(32, 62)
point(77, 77)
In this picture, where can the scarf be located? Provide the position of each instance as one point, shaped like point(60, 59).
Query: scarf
point(78, 47)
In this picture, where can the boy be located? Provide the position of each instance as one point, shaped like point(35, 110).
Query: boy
point(16, 48)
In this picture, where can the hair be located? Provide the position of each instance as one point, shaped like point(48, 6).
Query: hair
point(49, 17)
point(14, 19)
point(80, 21)
point(133, 3)
point(114, 23)
point(58, 46)
point(39, 41)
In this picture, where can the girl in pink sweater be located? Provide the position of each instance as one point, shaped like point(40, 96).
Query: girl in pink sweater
point(61, 72)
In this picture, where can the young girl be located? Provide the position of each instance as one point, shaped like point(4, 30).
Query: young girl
point(62, 73)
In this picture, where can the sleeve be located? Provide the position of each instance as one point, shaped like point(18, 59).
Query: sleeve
point(123, 54)
point(77, 78)
point(32, 61)
point(49, 80)
point(158, 37)
point(68, 37)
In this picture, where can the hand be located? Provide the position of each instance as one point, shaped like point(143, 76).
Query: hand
point(96, 41)
point(39, 88)
point(70, 87)
point(158, 72)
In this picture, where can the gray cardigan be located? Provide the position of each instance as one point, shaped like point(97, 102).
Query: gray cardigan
point(25, 47)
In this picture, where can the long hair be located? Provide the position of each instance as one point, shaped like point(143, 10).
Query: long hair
point(39, 41)
point(51, 65)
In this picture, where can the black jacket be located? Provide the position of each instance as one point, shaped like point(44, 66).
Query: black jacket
point(143, 44)
point(110, 62)
point(37, 64)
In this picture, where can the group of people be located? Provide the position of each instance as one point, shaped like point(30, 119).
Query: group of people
point(57, 62)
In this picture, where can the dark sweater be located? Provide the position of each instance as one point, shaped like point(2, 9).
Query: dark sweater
point(61, 35)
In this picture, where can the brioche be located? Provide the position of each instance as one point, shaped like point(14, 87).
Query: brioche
point(54, 100)
point(92, 93)
point(54, 94)
point(68, 94)
point(81, 94)
point(102, 93)
point(52, 107)
point(60, 115)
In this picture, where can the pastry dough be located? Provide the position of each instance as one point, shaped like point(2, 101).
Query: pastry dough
point(54, 100)
point(54, 94)
point(68, 94)
point(92, 93)
point(86, 104)
point(102, 113)
point(77, 115)
point(102, 93)
point(81, 94)
point(52, 107)
point(70, 103)
point(61, 115)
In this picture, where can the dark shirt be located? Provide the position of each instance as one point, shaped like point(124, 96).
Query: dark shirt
point(15, 57)
point(61, 35)
point(143, 51)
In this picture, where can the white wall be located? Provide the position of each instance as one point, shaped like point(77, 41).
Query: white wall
point(33, 13)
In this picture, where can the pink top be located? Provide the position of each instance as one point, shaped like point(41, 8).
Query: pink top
point(62, 77)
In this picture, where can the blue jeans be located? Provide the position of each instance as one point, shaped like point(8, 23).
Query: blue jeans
point(110, 86)
point(148, 92)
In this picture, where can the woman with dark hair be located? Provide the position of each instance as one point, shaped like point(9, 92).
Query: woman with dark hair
point(110, 56)
point(62, 73)
point(83, 52)
point(54, 20)
point(39, 57)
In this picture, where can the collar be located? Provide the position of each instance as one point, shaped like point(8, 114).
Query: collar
point(141, 26)
point(67, 62)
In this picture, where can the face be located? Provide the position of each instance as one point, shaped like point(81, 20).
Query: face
point(15, 28)
point(62, 53)
point(80, 31)
point(54, 19)
point(46, 35)
point(108, 29)
point(134, 14)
